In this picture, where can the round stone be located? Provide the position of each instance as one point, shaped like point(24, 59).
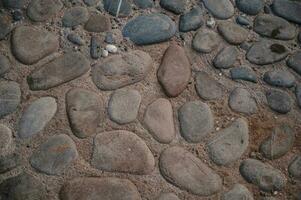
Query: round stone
point(4, 65)
point(167, 196)
point(279, 101)
point(5, 25)
point(6, 139)
point(226, 58)
point(279, 78)
point(294, 167)
point(240, 100)
point(238, 191)
point(175, 6)
point(287, 9)
point(42, 10)
point(98, 23)
point(221, 9)
point(191, 20)
point(250, 7)
point(10, 97)
point(294, 62)
point(75, 16)
point(232, 33)
point(205, 40)
point(243, 73)
point(118, 8)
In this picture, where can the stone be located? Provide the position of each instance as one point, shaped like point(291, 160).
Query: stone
point(196, 121)
point(118, 8)
point(226, 58)
point(167, 196)
point(111, 48)
point(243, 73)
point(205, 40)
point(55, 155)
point(279, 78)
point(10, 97)
point(174, 72)
point(17, 15)
point(250, 7)
point(42, 10)
point(242, 20)
point(31, 44)
point(237, 192)
point(294, 62)
point(232, 33)
point(5, 25)
point(91, 188)
point(298, 94)
point(278, 143)
point(190, 174)
point(109, 38)
point(6, 139)
point(230, 143)
point(299, 37)
point(149, 29)
point(95, 49)
point(9, 162)
point(91, 2)
point(122, 151)
point(262, 175)
point(124, 105)
point(288, 9)
point(36, 116)
point(158, 119)
point(266, 52)
point(75, 39)
point(75, 16)
point(294, 167)
point(274, 27)
point(207, 87)
point(191, 20)
point(279, 101)
point(84, 111)
point(14, 4)
point(221, 9)
point(240, 100)
point(4, 65)
point(98, 23)
point(63, 69)
point(175, 6)
point(144, 4)
point(121, 70)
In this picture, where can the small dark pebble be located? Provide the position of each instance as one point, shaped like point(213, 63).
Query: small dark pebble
point(95, 49)
point(267, 9)
point(75, 39)
point(17, 15)
point(8, 162)
point(243, 21)
point(109, 38)
point(243, 73)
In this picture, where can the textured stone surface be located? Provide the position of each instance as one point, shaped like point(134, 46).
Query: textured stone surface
point(221, 9)
point(279, 101)
point(298, 94)
point(191, 20)
point(205, 40)
point(42, 10)
point(232, 33)
point(4, 65)
point(243, 73)
point(98, 23)
point(9, 162)
point(226, 58)
point(288, 9)
point(279, 78)
point(10, 97)
point(143, 4)
point(294, 167)
point(250, 7)
point(75, 16)
point(207, 87)
point(6, 139)
point(238, 192)
point(113, 7)
point(294, 62)
point(175, 6)
point(240, 100)
point(5, 25)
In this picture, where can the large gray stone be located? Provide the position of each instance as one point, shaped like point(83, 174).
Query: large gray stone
point(240, 100)
point(205, 40)
point(294, 62)
point(279, 78)
point(279, 101)
point(191, 20)
point(5, 25)
point(221, 9)
point(175, 6)
point(75, 16)
point(42, 10)
point(10, 97)
point(250, 7)
point(288, 9)
point(232, 33)
point(294, 167)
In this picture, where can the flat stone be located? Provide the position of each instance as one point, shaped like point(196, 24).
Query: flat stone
point(174, 72)
point(42, 10)
point(226, 58)
point(298, 94)
point(205, 40)
point(294, 167)
point(113, 7)
point(5, 25)
point(61, 70)
point(158, 119)
point(294, 62)
point(190, 174)
point(175, 6)
point(121, 70)
point(75, 39)
point(98, 23)
point(31, 44)
point(6, 138)
point(232, 33)
point(95, 48)
point(10, 97)
point(14, 4)
point(122, 151)
point(250, 7)
point(149, 29)
point(124, 105)
point(207, 87)
point(230, 143)
point(36, 116)
point(167, 196)
point(75, 16)
point(279, 78)
point(262, 175)
point(143, 4)
point(9, 162)
point(240, 100)
point(196, 121)
point(288, 9)
point(266, 52)
point(55, 155)
point(237, 192)
point(221, 9)
point(279, 101)
point(191, 20)
point(84, 111)
point(90, 188)
point(243, 73)
point(91, 2)
point(4, 65)
point(278, 143)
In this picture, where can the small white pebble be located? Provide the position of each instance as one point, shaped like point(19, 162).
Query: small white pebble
point(104, 53)
point(220, 74)
point(111, 48)
point(217, 129)
point(211, 22)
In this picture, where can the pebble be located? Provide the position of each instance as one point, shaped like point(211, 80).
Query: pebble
point(175, 6)
point(205, 40)
point(149, 29)
point(95, 49)
point(226, 58)
point(237, 192)
point(210, 22)
point(75, 39)
point(91, 2)
point(84, 111)
point(240, 100)
point(122, 151)
point(124, 105)
point(207, 87)
point(250, 7)
point(55, 155)
point(221, 9)
point(279, 101)
point(201, 181)
point(5, 25)
point(144, 4)
point(243, 73)
point(9, 162)
point(98, 23)
point(243, 21)
point(4, 65)
point(191, 20)
point(36, 116)
point(111, 48)
point(158, 119)
point(196, 121)
point(42, 10)
point(294, 62)
point(262, 175)
point(14, 4)
point(167, 196)
point(61, 70)
point(294, 167)
point(6, 140)
point(116, 9)
point(174, 72)
point(17, 15)
point(232, 33)
point(10, 97)
point(121, 70)
point(298, 94)
point(279, 78)
point(109, 38)
point(288, 9)
point(104, 53)
point(75, 16)
point(91, 188)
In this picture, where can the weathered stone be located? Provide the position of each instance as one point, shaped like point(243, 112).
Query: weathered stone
point(279, 101)
point(118, 8)
point(191, 20)
point(205, 40)
point(294, 62)
point(143, 4)
point(242, 20)
point(5, 25)
point(175, 6)
point(250, 7)
point(221, 9)
point(10, 97)
point(167, 196)
point(91, 2)
point(240, 100)
point(14, 4)
point(243, 73)
point(75, 39)
point(75, 16)
point(9, 162)
point(288, 9)
point(4, 65)
point(232, 33)
point(238, 192)
point(226, 58)
point(279, 78)
point(298, 94)
point(207, 87)
point(42, 10)
point(98, 23)
point(95, 48)
point(6, 139)
point(294, 167)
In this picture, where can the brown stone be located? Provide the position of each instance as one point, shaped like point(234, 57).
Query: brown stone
point(98, 23)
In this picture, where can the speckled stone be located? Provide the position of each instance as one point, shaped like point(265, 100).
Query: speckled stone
point(10, 97)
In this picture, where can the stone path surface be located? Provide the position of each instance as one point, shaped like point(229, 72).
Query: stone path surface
point(150, 99)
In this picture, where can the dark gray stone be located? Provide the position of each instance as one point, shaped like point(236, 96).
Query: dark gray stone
point(5, 25)
point(95, 48)
point(221, 9)
point(240, 100)
point(243, 20)
point(294, 167)
point(279, 101)
point(298, 94)
point(238, 192)
point(9, 162)
point(109, 38)
point(113, 7)
point(4, 65)
point(294, 62)
point(226, 58)
point(75, 16)
point(279, 78)
point(205, 40)
point(207, 87)
point(17, 15)
point(191, 20)
point(14, 4)
point(143, 4)
point(250, 7)
point(175, 6)
point(288, 9)
point(42, 10)
point(75, 39)
point(232, 33)
point(243, 73)
point(10, 97)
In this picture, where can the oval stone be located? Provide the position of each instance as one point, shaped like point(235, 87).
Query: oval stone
point(118, 8)
point(42, 10)
point(98, 23)
point(279, 78)
point(191, 20)
point(232, 33)
point(10, 97)
point(294, 62)
point(4, 65)
point(205, 40)
point(75, 16)
point(288, 9)
point(226, 58)
point(294, 167)
point(6, 139)
point(207, 87)
point(175, 6)
point(250, 7)
point(221, 9)
point(240, 100)
point(238, 192)
point(279, 101)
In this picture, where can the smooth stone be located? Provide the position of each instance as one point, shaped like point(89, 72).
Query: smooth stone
point(95, 49)
point(10, 97)
point(55, 155)
point(14, 4)
point(121, 70)
point(250, 7)
point(205, 40)
point(98, 23)
point(167, 196)
point(288, 9)
point(90, 188)
point(36, 116)
point(294, 167)
point(266, 52)
point(230, 143)
point(42, 10)
point(294, 62)
point(221, 9)
point(243, 73)
point(84, 111)
point(196, 121)
point(4, 65)
point(61, 70)
point(149, 29)
point(124, 105)
point(6, 138)
point(116, 9)
point(158, 119)
point(240, 100)
point(31, 44)
point(298, 94)
point(122, 151)
point(109, 38)
point(279, 101)
point(175, 6)
point(190, 173)
point(262, 175)
point(75, 16)
point(278, 143)
point(5, 25)
point(274, 27)
point(17, 15)
point(75, 39)
point(232, 33)
point(9, 162)
point(91, 2)
point(174, 72)
point(279, 78)
point(191, 20)
point(144, 4)
point(243, 21)
point(238, 192)
point(207, 87)
point(226, 58)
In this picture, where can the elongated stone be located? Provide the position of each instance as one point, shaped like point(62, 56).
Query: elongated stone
point(4, 65)
point(232, 33)
point(118, 8)
point(221, 9)
point(226, 58)
point(6, 139)
point(238, 192)
point(5, 25)
point(288, 9)
point(10, 97)
point(294, 167)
